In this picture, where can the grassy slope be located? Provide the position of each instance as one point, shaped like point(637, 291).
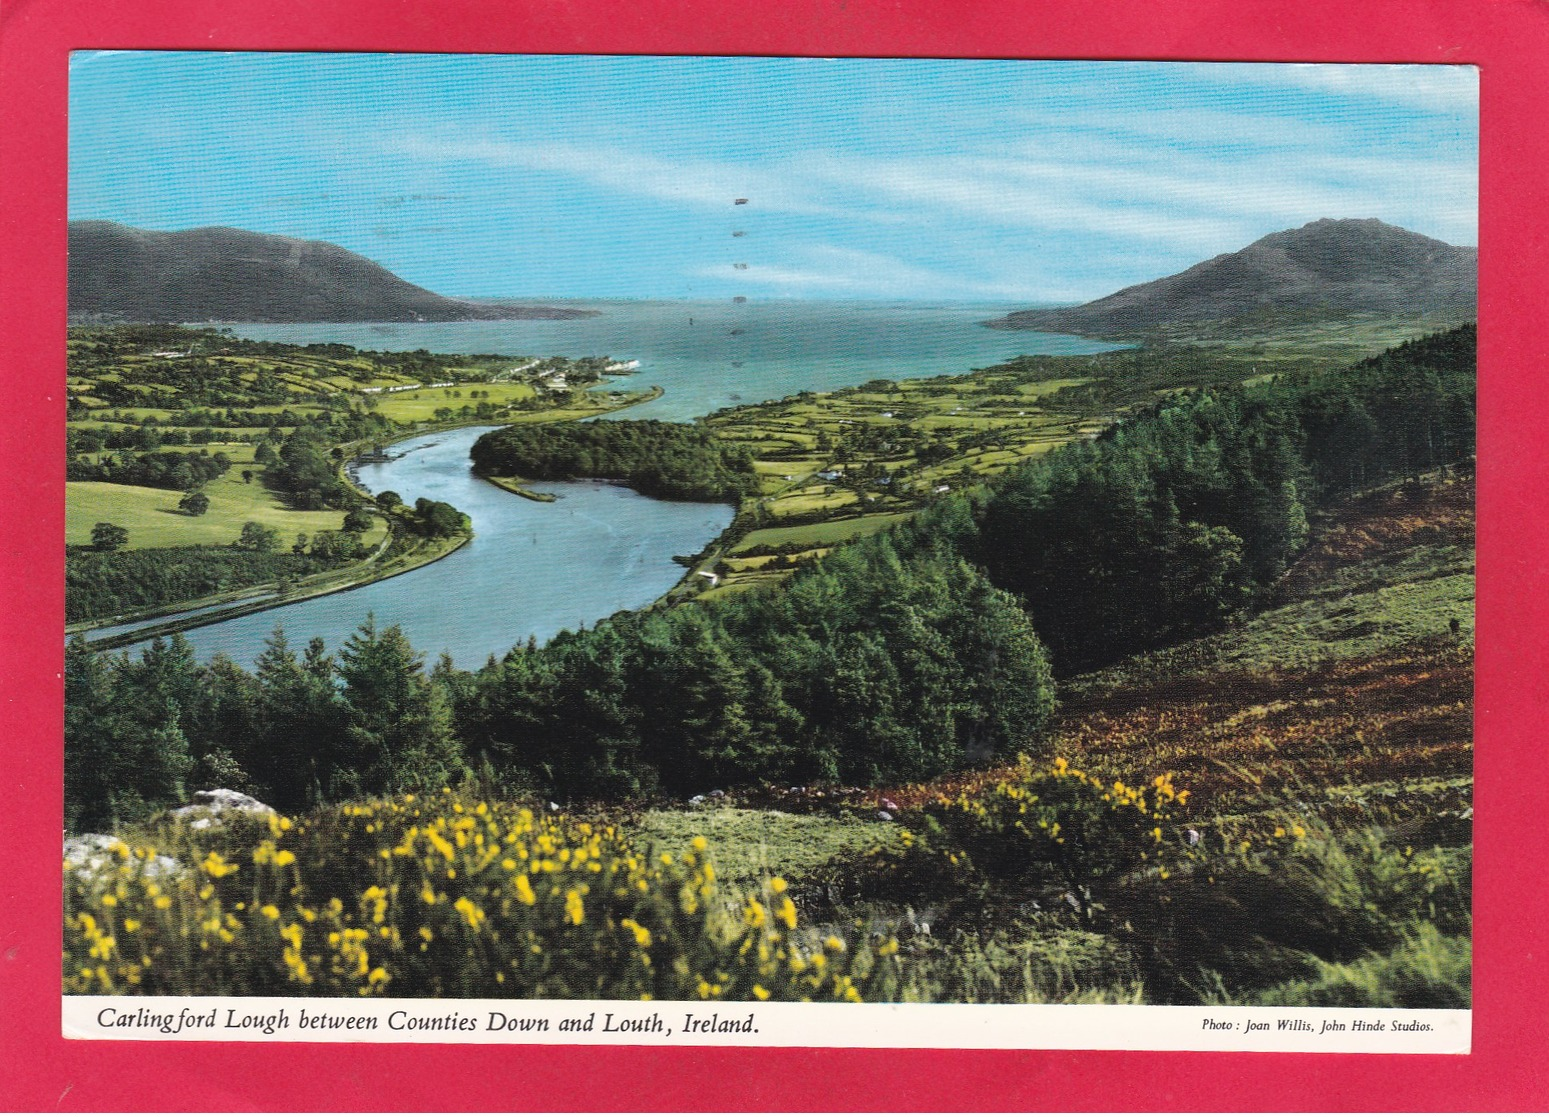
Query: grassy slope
point(751, 845)
point(419, 406)
point(824, 534)
point(1348, 704)
point(153, 520)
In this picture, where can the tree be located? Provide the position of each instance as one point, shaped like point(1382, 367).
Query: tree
point(227, 728)
point(357, 520)
point(166, 689)
point(96, 769)
point(194, 503)
point(108, 537)
point(694, 723)
point(299, 757)
point(335, 546)
point(437, 518)
point(256, 537)
point(387, 500)
point(399, 724)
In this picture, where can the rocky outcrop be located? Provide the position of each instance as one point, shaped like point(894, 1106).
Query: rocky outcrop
point(212, 808)
point(90, 856)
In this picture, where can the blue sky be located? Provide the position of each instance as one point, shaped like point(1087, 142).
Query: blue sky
point(574, 177)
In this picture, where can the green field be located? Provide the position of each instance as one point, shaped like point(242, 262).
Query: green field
point(753, 844)
point(140, 385)
point(152, 518)
point(823, 534)
point(421, 404)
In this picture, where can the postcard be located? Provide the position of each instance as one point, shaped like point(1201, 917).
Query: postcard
point(703, 553)
point(1023, 555)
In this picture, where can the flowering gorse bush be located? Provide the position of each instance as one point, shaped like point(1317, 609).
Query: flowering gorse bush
point(1034, 832)
point(438, 897)
point(1060, 819)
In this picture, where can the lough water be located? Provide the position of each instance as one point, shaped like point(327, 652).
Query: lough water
point(534, 569)
point(710, 355)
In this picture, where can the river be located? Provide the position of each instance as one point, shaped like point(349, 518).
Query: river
point(534, 569)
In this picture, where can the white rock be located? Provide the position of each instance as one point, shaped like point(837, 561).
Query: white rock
point(222, 801)
point(89, 854)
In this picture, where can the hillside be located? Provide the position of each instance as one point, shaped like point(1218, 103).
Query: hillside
point(1318, 850)
point(1328, 266)
point(119, 273)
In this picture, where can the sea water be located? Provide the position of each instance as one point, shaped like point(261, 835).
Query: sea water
point(534, 569)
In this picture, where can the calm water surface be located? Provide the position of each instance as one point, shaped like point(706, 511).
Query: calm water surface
point(535, 569)
point(532, 569)
point(710, 355)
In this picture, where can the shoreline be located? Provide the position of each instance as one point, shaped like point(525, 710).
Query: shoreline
point(217, 608)
point(514, 485)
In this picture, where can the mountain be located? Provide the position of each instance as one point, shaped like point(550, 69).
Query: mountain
point(1335, 266)
point(232, 275)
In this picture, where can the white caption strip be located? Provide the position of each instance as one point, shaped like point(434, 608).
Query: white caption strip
point(1051, 1027)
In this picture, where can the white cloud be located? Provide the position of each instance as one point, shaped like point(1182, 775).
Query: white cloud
point(836, 270)
point(701, 182)
point(1434, 88)
point(1174, 186)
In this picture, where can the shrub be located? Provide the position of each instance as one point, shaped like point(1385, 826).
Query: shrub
point(438, 898)
point(1062, 822)
point(1282, 902)
point(1428, 969)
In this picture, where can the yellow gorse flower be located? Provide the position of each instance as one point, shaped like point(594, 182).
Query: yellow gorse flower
point(216, 865)
point(471, 912)
point(483, 897)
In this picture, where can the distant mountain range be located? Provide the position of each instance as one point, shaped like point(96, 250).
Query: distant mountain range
point(1335, 266)
point(119, 273)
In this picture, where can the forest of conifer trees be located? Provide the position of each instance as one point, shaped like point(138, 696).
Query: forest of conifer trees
point(925, 649)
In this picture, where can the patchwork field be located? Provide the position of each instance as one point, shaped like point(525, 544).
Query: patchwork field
point(140, 396)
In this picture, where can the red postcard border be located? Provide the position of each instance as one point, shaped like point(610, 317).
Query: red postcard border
point(1508, 39)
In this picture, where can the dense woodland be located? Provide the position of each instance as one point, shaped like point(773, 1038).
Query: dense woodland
point(161, 469)
point(673, 461)
point(111, 583)
point(896, 657)
point(1174, 519)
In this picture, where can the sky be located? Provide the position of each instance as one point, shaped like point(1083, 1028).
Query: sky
point(616, 177)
